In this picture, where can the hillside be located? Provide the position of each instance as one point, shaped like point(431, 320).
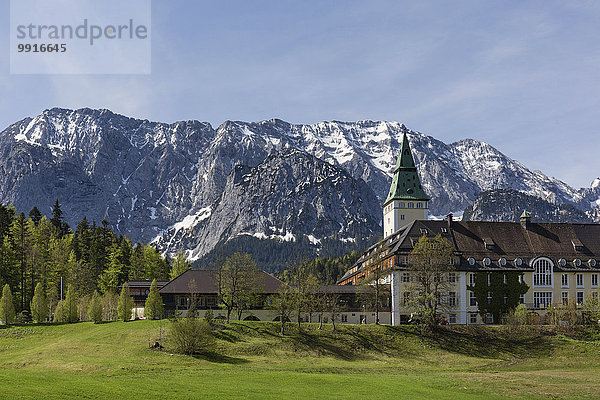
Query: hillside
point(251, 360)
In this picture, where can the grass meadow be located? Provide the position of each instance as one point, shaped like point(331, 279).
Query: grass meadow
point(250, 360)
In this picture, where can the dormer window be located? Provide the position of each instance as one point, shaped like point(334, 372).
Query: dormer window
point(487, 262)
point(592, 262)
point(577, 244)
point(518, 261)
point(577, 262)
point(471, 261)
point(489, 243)
point(444, 230)
point(423, 231)
point(502, 261)
point(562, 262)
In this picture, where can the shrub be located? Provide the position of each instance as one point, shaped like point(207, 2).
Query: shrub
point(209, 317)
point(189, 335)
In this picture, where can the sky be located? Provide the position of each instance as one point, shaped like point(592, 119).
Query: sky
point(523, 76)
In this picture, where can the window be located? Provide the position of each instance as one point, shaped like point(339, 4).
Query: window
point(594, 280)
point(504, 279)
point(592, 262)
point(405, 277)
point(452, 261)
point(505, 298)
point(402, 204)
point(473, 318)
point(471, 279)
point(502, 261)
point(487, 261)
point(565, 298)
point(401, 217)
point(542, 299)
point(452, 276)
point(489, 319)
point(543, 272)
point(406, 298)
point(522, 299)
point(423, 231)
point(489, 279)
point(452, 299)
point(452, 318)
point(489, 297)
point(518, 261)
point(419, 205)
point(580, 298)
point(344, 318)
point(579, 280)
point(564, 280)
point(577, 262)
point(411, 205)
point(471, 261)
point(472, 299)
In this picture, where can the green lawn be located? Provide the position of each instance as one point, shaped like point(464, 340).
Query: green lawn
point(251, 361)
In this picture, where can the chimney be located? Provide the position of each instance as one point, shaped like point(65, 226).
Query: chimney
point(525, 220)
point(449, 220)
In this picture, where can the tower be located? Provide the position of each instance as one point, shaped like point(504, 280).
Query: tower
point(406, 201)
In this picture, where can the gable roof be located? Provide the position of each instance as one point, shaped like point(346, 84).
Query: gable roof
point(205, 281)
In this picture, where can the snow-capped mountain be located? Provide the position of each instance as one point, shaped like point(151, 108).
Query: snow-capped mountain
point(182, 184)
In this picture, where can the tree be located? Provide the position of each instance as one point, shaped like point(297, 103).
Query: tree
point(66, 310)
point(35, 215)
point(284, 303)
point(429, 262)
point(39, 304)
point(179, 265)
point(236, 281)
point(7, 306)
point(332, 301)
point(125, 306)
point(61, 228)
point(95, 308)
point(372, 291)
point(498, 292)
point(592, 308)
point(154, 304)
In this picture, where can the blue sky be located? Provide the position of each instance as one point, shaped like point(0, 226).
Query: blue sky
point(521, 76)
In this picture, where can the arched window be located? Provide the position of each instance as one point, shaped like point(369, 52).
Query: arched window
point(543, 272)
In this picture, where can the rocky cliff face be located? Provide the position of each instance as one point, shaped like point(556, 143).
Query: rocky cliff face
point(188, 185)
point(509, 204)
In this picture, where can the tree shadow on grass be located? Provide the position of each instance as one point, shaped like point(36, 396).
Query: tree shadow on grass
point(487, 342)
point(214, 357)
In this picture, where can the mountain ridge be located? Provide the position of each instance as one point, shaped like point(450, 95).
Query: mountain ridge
point(147, 177)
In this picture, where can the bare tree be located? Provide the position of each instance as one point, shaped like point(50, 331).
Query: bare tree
point(284, 303)
point(429, 262)
point(236, 281)
point(373, 292)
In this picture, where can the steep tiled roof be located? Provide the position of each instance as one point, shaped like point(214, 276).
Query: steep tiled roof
point(500, 240)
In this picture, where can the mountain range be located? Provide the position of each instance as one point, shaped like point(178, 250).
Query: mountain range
point(188, 185)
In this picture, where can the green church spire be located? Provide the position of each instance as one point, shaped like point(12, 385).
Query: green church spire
point(406, 184)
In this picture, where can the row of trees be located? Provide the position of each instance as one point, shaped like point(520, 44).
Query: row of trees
point(91, 258)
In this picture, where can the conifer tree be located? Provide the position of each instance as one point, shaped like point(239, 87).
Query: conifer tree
point(95, 310)
point(125, 306)
point(154, 304)
point(9, 266)
point(7, 306)
point(39, 304)
point(35, 215)
point(20, 233)
point(7, 214)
